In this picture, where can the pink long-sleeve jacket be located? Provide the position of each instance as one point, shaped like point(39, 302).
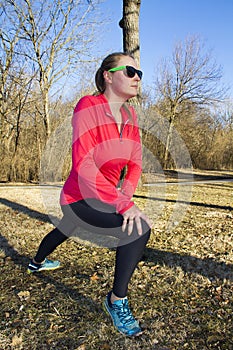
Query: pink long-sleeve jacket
point(100, 151)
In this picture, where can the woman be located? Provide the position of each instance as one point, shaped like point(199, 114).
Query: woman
point(105, 141)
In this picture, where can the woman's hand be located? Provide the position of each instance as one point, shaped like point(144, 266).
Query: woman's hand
point(134, 214)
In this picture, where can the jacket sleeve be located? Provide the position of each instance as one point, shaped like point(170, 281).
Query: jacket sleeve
point(134, 166)
point(91, 181)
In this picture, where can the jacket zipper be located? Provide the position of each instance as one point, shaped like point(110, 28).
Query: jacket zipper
point(123, 127)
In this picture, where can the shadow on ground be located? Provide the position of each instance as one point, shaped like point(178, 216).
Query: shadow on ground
point(206, 267)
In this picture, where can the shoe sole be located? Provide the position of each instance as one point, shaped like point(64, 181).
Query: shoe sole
point(106, 309)
point(29, 272)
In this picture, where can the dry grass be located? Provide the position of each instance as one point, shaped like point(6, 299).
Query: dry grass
point(182, 290)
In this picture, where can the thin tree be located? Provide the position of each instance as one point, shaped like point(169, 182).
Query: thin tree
point(191, 75)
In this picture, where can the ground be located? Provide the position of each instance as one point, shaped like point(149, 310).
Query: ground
point(181, 291)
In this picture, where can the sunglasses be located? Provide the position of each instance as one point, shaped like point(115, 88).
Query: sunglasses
point(130, 71)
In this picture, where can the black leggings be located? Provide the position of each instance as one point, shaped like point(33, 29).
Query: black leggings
point(97, 217)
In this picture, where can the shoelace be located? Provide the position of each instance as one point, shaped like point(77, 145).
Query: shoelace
point(124, 313)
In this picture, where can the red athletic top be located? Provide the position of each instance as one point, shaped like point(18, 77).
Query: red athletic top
point(100, 152)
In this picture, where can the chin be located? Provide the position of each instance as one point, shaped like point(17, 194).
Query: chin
point(133, 95)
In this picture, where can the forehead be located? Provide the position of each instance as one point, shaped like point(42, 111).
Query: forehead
point(127, 61)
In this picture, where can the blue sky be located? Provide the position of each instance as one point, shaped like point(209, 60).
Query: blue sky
point(164, 23)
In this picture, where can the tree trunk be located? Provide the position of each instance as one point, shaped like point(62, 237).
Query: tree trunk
point(168, 143)
point(46, 116)
point(169, 138)
point(130, 27)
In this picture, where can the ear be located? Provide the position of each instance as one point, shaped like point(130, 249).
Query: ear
point(107, 76)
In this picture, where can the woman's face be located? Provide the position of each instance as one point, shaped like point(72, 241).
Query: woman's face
point(119, 83)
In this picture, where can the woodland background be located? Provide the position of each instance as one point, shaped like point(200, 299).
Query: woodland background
point(47, 64)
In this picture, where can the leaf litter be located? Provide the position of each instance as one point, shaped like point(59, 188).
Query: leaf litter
point(181, 291)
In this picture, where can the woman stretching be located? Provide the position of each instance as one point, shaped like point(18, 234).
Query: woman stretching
point(106, 140)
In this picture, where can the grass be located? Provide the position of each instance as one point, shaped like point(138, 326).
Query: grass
point(181, 291)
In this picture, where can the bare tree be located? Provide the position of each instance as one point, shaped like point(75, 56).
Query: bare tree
point(222, 150)
point(57, 36)
point(8, 41)
point(43, 44)
point(14, 90)
point(190, 75)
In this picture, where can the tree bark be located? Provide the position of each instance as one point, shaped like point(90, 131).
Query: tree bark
point(168, 142)
point(130, 27)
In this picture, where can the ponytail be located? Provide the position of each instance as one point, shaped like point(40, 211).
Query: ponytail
point(99, 81)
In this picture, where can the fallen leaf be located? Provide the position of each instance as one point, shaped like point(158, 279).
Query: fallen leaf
point(24, 295)
point(94, 277)
point(81, 347)
point(16, 340)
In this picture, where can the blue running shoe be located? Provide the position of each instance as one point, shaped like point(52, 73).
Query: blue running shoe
point(46, 265)
point(122, 317)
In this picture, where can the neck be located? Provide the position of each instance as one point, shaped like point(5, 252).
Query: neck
point(114, 99)
point(115, 104)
